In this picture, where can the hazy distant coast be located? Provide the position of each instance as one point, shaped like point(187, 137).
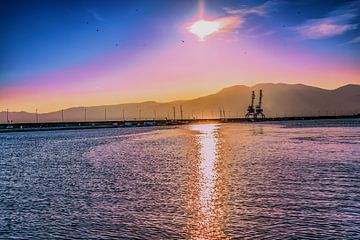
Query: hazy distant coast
point(280, 100)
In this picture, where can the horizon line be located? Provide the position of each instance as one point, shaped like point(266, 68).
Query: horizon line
point(179, 100)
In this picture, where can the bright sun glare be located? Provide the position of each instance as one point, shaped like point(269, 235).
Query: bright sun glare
point(203, 28)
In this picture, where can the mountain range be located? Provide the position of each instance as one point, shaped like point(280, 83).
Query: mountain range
point(278, 100)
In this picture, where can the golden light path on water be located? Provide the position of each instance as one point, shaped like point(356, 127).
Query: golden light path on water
point(207, 185)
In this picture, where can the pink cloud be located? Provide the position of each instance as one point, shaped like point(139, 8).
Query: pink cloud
point(335, 23)
point(229, 23)
point(323, 29)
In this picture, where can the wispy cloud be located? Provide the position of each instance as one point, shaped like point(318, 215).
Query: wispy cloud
point(229, 23)
point(261, 10)
point(336, 23)
point(355, 40)
point(257, 31)
point(96, 15)
point(242, 12)
point(324, 28)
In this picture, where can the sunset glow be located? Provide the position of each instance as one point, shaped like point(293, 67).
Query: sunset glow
point(181, 119)
point(203, 28)
point(119, 53)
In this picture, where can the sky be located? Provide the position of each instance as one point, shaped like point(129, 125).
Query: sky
point(61, 54)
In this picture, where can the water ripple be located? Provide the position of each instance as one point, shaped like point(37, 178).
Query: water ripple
point(228, 181)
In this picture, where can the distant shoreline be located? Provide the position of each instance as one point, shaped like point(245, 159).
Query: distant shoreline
point(56, 126)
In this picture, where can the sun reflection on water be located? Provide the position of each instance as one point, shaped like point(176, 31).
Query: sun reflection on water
point(207, 187)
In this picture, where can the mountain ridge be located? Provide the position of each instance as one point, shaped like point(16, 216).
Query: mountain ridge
point(280, 99)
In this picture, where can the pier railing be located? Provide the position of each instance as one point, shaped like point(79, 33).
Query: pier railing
point(18, 127)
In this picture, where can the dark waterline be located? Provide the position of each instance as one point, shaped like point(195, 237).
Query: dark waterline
point(198, 181)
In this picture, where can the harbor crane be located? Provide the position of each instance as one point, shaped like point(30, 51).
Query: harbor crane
point(255, 112)
point(259, 110)
point(251, 111)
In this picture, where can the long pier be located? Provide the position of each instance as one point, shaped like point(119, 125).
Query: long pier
point(49, 126)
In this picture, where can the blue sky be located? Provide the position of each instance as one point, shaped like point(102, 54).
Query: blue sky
point(43, 35)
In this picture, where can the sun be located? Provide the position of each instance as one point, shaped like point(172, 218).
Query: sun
point(203, 28)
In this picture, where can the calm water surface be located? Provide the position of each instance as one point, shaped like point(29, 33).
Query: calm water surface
point(298, 180)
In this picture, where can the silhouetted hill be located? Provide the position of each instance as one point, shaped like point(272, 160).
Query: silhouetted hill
point(279, 100)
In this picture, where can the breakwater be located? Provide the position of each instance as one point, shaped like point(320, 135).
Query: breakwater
point(47, 126)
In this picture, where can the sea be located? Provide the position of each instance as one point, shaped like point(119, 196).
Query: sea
point(271, 180)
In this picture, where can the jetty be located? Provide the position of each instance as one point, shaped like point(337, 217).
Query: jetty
point(50, 126)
